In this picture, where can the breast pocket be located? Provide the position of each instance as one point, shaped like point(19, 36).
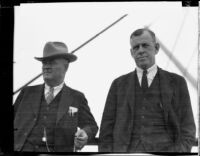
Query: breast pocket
point(69, 120)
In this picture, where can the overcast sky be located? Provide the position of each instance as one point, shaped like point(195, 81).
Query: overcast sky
point(108, 56)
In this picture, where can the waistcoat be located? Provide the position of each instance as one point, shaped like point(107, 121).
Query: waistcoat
point(149, 125)
point(46, 120)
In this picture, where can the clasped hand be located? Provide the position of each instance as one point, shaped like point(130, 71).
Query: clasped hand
point(81, 138)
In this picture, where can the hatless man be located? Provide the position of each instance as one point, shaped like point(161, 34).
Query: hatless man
point(149, 109)
point(52, 117)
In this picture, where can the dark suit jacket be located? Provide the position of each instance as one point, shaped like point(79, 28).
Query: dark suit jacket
point(26, 112)
point(117, 121)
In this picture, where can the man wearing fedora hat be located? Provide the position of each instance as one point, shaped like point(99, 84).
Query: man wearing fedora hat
point(52, 117)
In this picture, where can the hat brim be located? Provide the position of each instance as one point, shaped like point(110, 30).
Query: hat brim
point(69, 57)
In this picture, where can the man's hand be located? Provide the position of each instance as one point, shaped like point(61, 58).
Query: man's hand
point(81, 138)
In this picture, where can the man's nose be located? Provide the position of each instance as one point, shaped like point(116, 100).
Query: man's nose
point(140, 49)
point(46, 65)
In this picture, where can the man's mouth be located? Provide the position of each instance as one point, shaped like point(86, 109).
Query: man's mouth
point(141, 57)
point(46, 72)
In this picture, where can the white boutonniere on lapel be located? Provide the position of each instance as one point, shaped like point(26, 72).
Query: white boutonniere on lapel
point(72, 111)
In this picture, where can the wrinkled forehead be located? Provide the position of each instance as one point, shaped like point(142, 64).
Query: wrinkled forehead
point(143, 38)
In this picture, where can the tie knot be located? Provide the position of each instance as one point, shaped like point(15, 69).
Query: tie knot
point(50, 95)
point(51, 89)
point(145, 72)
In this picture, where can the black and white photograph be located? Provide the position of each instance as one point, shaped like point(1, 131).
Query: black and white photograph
point(106, 77)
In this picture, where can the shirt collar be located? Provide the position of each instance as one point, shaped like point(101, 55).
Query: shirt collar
point(59, 87)
point(151, 72)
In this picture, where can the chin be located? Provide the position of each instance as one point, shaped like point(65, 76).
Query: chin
point(142, 64)
point(47, 77)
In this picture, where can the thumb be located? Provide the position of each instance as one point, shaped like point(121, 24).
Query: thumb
point(78, 132)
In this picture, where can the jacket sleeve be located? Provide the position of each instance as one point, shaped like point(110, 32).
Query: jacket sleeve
point(185, 116)
point(86, 120)
point(108, 121)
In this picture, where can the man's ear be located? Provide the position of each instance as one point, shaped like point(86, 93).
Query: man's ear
point(131, 50)
point(66, 64)
point(157, 46)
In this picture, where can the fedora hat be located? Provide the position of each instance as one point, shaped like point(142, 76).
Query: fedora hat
point(56, 50)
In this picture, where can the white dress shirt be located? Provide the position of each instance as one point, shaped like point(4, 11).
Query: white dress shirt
point(57, 89)
point(151, 73)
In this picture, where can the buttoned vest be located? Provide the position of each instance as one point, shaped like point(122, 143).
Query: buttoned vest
point(149, 125)
point(46, 119)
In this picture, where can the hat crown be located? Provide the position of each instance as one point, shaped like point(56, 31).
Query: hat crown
point(54, 48)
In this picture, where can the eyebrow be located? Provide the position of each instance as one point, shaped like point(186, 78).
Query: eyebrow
point(142, 43)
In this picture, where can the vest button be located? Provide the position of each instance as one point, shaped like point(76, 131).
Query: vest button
point(142, 127)
point(142, 116)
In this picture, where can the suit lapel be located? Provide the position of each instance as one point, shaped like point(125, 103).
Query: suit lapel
point(65, 101)
point(166, 90)
point(36, 97)
point(131, 92)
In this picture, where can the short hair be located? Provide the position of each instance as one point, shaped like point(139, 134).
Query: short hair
point(139, 32)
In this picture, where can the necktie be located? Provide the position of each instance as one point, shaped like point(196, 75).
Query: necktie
point(144, 80)
point(50, 96)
